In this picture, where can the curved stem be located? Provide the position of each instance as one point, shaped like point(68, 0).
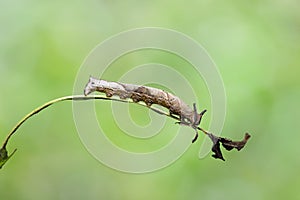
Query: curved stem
point(4, 157)
point(46, 105)
point(73, 98)
point(228, 144)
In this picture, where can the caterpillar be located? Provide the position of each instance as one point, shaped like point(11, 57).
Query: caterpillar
point(149, 95)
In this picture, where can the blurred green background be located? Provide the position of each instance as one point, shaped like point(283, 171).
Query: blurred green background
point(255, 45)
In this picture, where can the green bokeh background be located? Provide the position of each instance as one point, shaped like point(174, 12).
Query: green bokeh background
point(255, 46)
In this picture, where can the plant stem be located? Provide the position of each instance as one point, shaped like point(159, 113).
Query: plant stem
point(46, 105)
point(73, 98)
point(4, 157)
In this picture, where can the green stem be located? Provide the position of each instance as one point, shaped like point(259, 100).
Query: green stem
point(46, 105)
point(70, 98)
point(4, 157)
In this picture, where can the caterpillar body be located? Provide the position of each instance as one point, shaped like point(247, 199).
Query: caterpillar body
point(149, 95)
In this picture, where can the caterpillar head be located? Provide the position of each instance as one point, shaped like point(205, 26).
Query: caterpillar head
point(92, 85)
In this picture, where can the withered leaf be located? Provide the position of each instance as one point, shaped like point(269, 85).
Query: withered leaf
point(216, 147)
point(227, 144)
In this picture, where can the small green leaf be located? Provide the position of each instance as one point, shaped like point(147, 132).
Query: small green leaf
point(4, 156)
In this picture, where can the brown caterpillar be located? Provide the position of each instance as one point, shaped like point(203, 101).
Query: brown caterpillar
point(150, 96)
point(178, 109)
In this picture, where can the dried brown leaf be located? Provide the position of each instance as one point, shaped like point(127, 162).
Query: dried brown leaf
point(227, 144)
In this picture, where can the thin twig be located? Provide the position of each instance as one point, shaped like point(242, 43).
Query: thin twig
point(46, 105)
point(228, 144)
point(73, 98)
